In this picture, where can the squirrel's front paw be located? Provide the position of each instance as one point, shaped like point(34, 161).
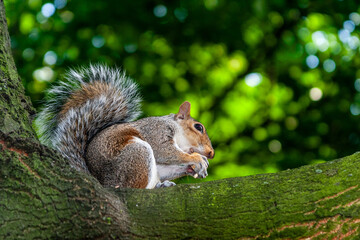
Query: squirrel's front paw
point(165, 183)
point(199, 169)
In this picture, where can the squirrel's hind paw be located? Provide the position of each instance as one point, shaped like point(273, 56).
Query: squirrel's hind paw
point(165, 183)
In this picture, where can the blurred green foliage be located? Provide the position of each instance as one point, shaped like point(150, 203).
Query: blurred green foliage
point(277, 83)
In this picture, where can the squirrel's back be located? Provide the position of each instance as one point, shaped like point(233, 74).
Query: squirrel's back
point(90, 100)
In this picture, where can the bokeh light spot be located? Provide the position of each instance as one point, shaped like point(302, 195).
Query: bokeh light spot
point(160, 11)
point(310, 48)
point(312, 61)
point(320, 40)
point(291, 123)
point(355, 109)
point(355, 17)
point(181, 14)
point(303, 33)
point(353, 42)
point(67, 16)
point(48, 9)
point(50, 58)
point(253, 79)
point(315, 94)
point(260, 134)
point(98, 41)
point(235, 63)
point(357, 84)
point(130, 48)
point(59, 4)
point(344, 35)
point(27, 22)
point(274, 146)
point(28, 54)
point(43, 74)
point(329, 65)
point(349, 25)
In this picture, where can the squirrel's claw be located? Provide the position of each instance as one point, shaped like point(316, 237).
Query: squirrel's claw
point(199, 169)
point(203, 173)
point(206, 160)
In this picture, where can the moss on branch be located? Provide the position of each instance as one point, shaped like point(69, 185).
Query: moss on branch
point(312, 201)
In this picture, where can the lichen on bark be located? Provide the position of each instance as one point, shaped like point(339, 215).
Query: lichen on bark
point(15, 107)
point(312, 201)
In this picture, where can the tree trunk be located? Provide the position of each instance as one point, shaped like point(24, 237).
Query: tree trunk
point(42, 197)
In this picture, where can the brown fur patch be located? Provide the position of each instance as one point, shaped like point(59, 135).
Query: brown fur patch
point(141, 178)
point(115, 159)
point(137, 170)
point(87, 92)
point(119, 138)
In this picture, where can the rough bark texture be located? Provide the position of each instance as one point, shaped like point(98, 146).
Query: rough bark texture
point(313, 201)
point(15, 108)
point(42, 197)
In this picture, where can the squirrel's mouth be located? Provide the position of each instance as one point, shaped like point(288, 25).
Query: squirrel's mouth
point(190, 169)
point(202, 153)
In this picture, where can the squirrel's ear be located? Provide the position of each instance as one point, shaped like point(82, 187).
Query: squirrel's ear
point(184, 111)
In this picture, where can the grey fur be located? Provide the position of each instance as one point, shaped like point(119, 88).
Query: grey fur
point(71, 133)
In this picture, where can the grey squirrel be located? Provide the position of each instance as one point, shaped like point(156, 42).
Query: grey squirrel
point(90, 117)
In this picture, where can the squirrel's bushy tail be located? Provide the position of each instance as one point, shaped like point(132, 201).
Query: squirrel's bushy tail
point(90, 100)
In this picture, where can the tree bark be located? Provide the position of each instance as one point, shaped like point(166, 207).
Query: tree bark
point(42, 197)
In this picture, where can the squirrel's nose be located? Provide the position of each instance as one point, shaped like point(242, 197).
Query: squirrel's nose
point(211, 154)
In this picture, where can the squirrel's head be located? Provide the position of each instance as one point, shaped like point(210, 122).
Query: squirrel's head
point(192, 136)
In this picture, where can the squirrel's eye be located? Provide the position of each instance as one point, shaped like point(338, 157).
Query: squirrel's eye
point(199, 127)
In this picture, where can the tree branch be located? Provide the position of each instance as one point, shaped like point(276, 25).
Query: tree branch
point(318, 200)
